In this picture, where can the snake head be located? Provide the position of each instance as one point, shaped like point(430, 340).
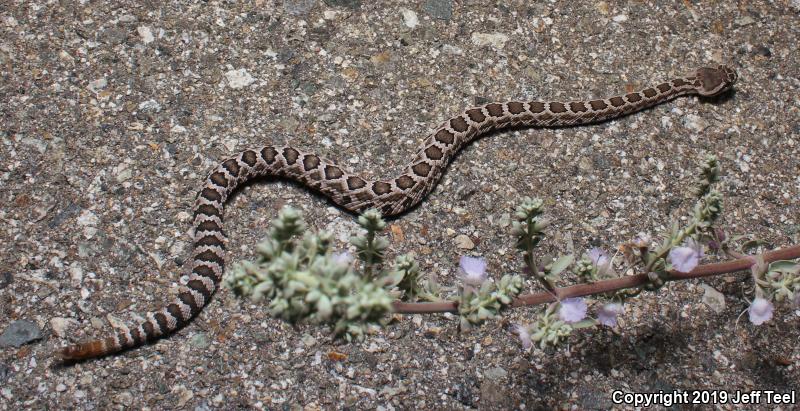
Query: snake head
point(715, 80)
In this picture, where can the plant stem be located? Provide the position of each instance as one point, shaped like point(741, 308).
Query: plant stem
point(600, 287)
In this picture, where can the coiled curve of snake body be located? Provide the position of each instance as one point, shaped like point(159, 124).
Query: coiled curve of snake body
point(357, 194)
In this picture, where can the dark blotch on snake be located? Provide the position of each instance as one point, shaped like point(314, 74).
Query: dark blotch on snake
point(421, 169)
point(381, 187)
point(175, 311)
point(354, 183)
point(577, 106)
point(290, 155)
point(232, 166)
point(495, 109)
point(211, 194)
point(333, 172)
point(434, 153)
point(310, 162)
point(268, 154)
point(616, 101)
point(209, 240)
point(536, 107)
point(188, 299)
point(557, 107)
point(445, 137)
point(515, 107)
point(219, 179)
point(476, 115)
point(404, 182)
point(249, 158)
point(598, 104)
point(459, 124)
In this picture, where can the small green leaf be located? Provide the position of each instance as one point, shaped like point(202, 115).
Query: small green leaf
point(561, 264)
point(587, 323)
point(785, 266)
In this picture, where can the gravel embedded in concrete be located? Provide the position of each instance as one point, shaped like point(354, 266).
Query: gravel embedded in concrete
point(111, 114)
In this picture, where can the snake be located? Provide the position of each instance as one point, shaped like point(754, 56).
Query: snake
point(356, 194)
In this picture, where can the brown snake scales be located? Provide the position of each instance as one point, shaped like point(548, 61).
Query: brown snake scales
point(357, 194)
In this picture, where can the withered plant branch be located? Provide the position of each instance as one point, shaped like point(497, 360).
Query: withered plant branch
point(600, 287)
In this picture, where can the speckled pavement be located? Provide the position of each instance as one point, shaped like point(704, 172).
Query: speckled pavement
point(111, 113)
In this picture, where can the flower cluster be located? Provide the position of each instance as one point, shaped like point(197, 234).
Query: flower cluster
point(482, 299)
point(778, 281)
point(304, 279)
point(681, 250)
point(554, 324)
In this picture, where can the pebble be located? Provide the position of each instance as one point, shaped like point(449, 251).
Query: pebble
point(762, 50)
point(309, 340)
point(6, 279)
point(61, 387)
point(199, 340)
point(439, 9)
point(124, 398)
point(5, 372)
point(37, 143)
point(239, 78)
point(298, 7)
point(695, 123)
point(350, 4)
point(713, 298)
point(496, 40)
point(88, 220)
point(464, 242)
point(744, 21)
point(59, 325)
point(409, 18)
point(150, 105)
point(620, 18)
point(75, 274)
point(70, 211)
point(495, 373)
point(452, 50)
point(122, 173)
point(184, 395)
point(19, 333)
point(97, 323)
point(146, 34)
point(113, 36)
point(96, 85)
point(127, 19)
point(379, 58)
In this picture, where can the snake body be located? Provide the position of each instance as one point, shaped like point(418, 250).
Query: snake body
point(357, 194)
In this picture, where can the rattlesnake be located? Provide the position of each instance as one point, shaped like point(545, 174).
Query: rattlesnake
point(357, 194)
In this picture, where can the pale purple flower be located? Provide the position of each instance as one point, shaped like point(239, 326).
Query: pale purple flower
point(686, 257)
point(472, 270)
point(524, 335)
point(760, 311)
point(572, 310)
point(601, 260)
point(608, 314)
